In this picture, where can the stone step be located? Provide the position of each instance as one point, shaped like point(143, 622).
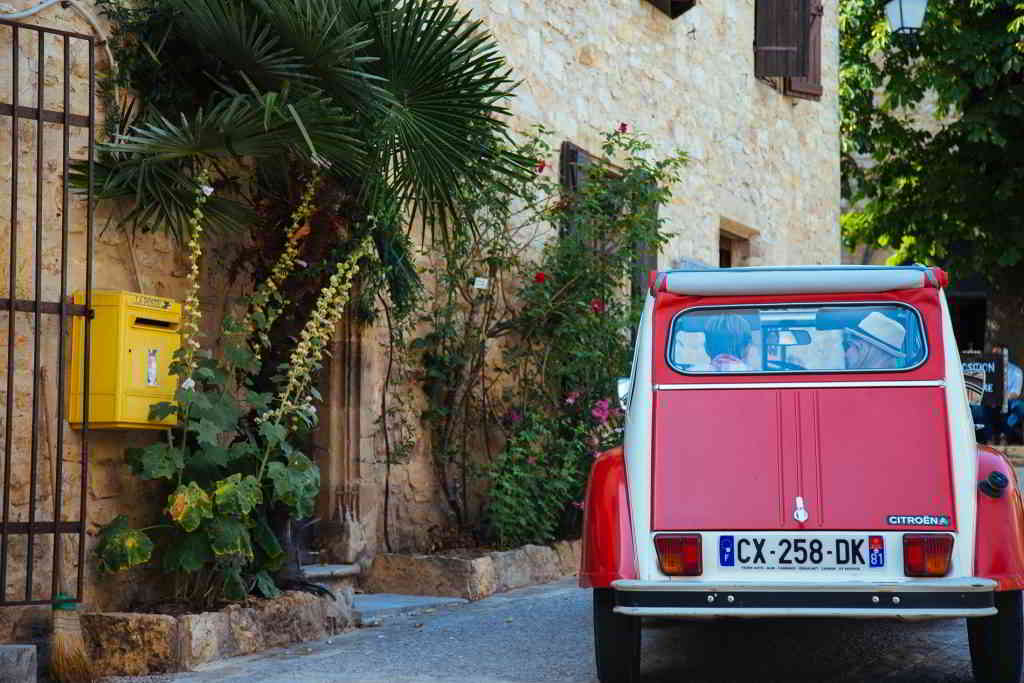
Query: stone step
point(340, 579)
point(326, 572)
point(17, 663)
point(370, 608)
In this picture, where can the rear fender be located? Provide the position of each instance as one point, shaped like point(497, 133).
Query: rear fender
point(999, 543)
point(607, 553)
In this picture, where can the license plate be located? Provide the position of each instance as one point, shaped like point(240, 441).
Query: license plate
point(852, 552)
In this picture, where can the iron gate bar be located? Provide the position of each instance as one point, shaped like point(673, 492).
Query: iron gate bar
point(49, 115)
point(47, 29)
point(36, 336)
point(88, 321)
point(8, 431)
point(56, 578)
point(62, 308)
point(54, 307)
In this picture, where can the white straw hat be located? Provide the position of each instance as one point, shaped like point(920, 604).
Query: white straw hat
point(882, 332)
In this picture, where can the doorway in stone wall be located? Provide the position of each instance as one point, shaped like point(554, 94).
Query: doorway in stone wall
point(342, 451)
point(47, 122)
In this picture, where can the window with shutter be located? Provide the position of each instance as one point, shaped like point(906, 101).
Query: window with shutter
point(810, 86)
point(781, 38)
point(574, 163)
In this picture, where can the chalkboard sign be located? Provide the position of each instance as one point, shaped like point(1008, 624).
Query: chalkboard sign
point(989, 370)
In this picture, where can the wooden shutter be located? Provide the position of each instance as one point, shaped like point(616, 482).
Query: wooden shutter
point(809, 86)
point(572, 167)
point(673, 8)
point(781, 38)
point(572, 174)
point(645, 259)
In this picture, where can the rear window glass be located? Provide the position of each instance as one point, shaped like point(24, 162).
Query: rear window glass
point(767, 339)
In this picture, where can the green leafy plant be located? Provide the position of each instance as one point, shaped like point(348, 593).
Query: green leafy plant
point(932, 156)
point(232, 463)
point(556, 308)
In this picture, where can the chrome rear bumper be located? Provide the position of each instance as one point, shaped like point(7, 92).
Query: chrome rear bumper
point(916, 599)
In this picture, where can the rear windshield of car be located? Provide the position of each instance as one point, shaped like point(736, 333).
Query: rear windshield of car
point(770, 339)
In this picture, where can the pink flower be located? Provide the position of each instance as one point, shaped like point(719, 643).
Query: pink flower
point(623, 127)
point(532, 460)
point(596, 454)
point(577, 504)
point(540, 277)
point(541, 165)
point(597, 305)
point(572, 398)
point(601, 411)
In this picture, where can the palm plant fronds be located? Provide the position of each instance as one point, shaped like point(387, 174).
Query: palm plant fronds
point(449, 84)
point(405, 99)
point(153, 163)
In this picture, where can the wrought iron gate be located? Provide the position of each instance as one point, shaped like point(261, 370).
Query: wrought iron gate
point(32, 535)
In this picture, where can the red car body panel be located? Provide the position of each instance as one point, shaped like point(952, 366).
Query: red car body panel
point(999, 544)
point(607, 552)
point(926, 301)
point(732, 460)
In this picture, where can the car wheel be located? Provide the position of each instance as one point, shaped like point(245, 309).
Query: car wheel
point(616, 641)
point(997, 642)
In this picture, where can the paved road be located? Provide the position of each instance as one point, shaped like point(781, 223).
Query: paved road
point(543, 635)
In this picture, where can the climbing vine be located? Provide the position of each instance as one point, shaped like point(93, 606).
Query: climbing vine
point(528, 326)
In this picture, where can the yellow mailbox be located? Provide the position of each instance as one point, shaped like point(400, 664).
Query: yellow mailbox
point(133, 340)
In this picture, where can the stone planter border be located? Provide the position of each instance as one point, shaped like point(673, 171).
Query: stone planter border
point(133, 644)
point(472, 578)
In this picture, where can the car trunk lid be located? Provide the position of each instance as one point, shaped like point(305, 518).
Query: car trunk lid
point(857, 458)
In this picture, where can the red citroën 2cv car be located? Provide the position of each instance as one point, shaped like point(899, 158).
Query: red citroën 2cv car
point(798, 443)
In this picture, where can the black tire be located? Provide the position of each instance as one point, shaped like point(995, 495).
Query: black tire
point(616, 641)
point(997, 642)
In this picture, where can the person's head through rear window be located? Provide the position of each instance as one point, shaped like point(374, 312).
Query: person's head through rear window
point(727, 341)
point(875, 343)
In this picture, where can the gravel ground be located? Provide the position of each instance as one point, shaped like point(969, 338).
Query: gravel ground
point(543, 634)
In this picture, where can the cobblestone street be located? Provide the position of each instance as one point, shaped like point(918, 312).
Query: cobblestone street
point(543, 635)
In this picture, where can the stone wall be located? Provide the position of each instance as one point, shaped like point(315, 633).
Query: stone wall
point(764, 166)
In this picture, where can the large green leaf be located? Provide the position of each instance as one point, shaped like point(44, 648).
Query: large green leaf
point(187, 553)
point(189, 505)
point(155, 461)
point(229, 539)
point(234, 587)
point(265, 585)
point(121, 547)
point(237, 495)
point(265, 537)
point(296, 483)
point(160, 411)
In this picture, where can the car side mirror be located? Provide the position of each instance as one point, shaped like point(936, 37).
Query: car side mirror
point(624, 385)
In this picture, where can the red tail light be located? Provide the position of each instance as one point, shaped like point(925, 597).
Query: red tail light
point(927, 554)
point(679, 554)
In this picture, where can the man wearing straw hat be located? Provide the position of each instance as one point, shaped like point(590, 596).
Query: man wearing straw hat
point(876, 343)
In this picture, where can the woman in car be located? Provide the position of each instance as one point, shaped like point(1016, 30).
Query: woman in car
point(727, 341)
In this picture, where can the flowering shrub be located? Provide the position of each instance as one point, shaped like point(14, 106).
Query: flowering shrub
point(565, 310)
point(231, 462)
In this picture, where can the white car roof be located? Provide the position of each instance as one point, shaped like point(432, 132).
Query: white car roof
point(795, 280)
